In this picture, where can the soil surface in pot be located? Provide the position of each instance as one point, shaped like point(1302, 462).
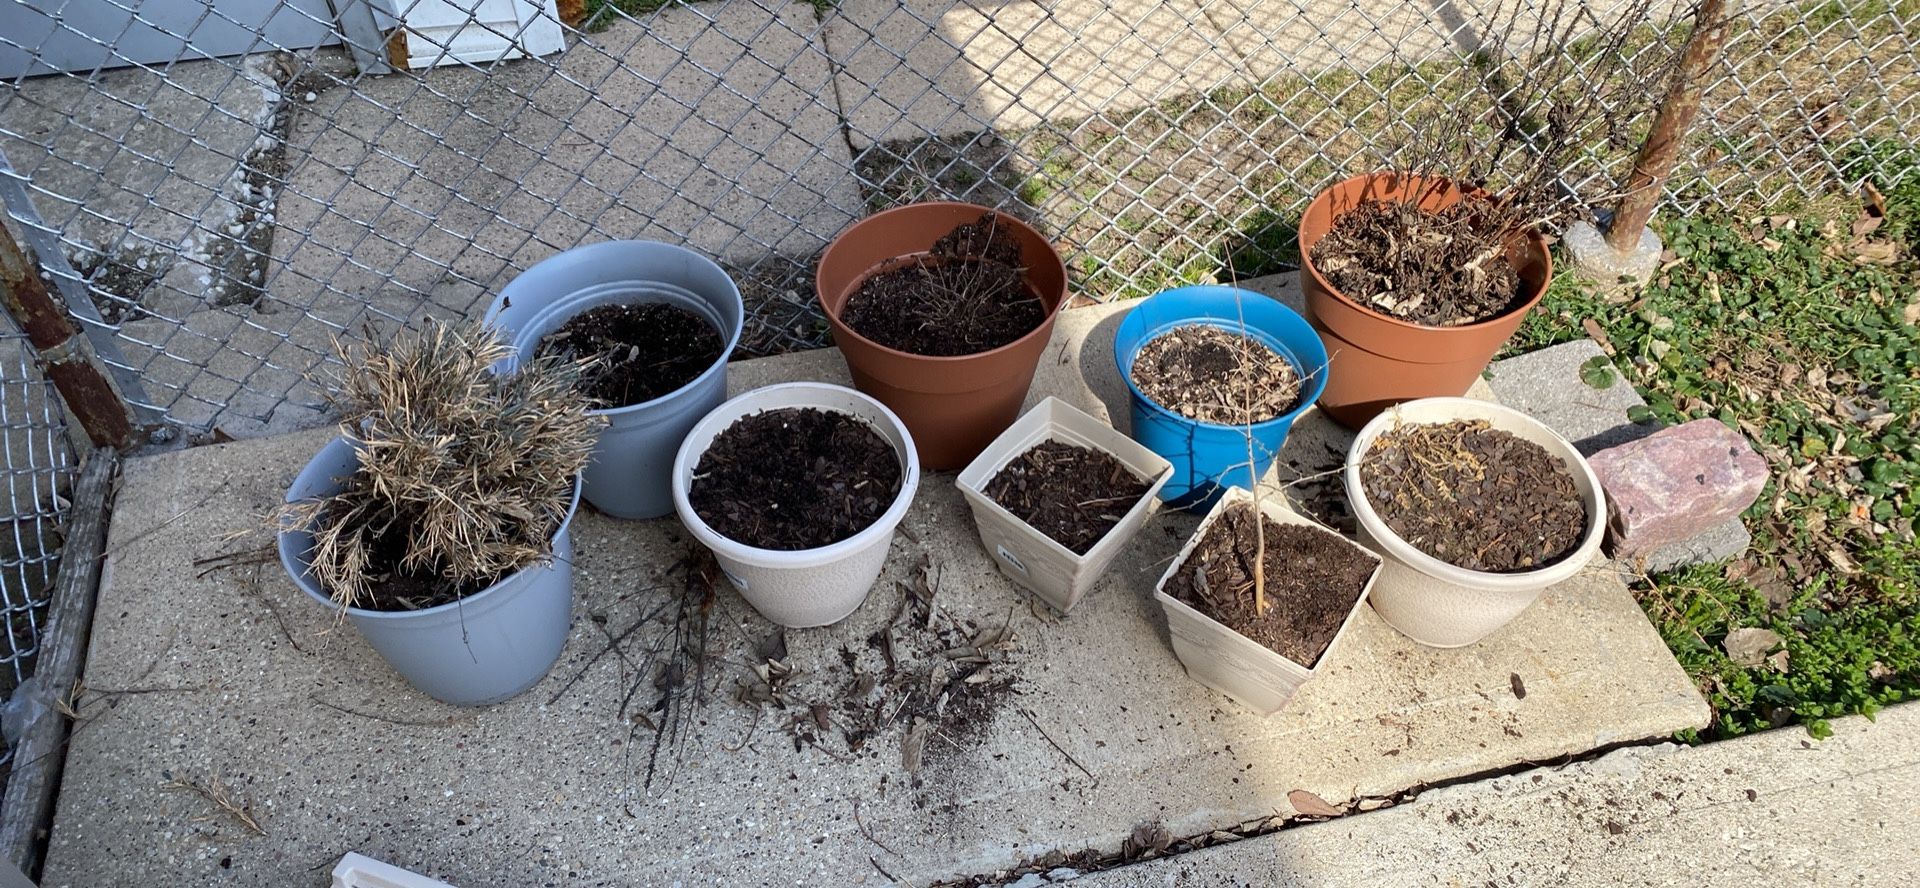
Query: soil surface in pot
point(388, 588)
point(1071, 493)
point(967, 295)
point(1210, 374)
point(1312, 579)
point(794, 478)
point(642, 351)
point(1437, 269)
point(1474, 496)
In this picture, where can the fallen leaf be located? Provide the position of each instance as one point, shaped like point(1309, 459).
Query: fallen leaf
point(1876, 202)
point(1519, 687)
point(912, 748)
point(1837, 557)
point(1749, 646)
point(1598, 335)
point(1866, 225)
point(1877, 252)
point(1147, 838)
point(1778, 660)
point(1912, 312)
point(1311, 805)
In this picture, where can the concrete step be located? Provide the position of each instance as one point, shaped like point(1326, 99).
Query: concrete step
point(1098, 730)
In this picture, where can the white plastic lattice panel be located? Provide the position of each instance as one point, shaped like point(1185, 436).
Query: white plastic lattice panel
point(357, 871)
point(478, 32)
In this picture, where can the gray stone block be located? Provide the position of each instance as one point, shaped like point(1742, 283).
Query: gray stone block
point(1546, 385)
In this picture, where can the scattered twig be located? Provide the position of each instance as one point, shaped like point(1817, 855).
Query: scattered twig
point(220, 796)
point(1056, 746)
point(862, 824)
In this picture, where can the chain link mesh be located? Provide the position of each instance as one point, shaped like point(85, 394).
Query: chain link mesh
point(229, 197)
point(38, 473)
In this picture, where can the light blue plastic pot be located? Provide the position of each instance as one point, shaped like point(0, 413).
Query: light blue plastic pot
point(482, 649)
point(630, 474)
point(1209, 458)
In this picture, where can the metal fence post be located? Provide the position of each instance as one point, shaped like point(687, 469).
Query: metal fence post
point(66, 356)
point(1670, 126)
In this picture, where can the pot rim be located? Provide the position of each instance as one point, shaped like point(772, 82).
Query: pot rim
point(1535, 240)
point(732, 410)
point(732, 338)
point(1398, 548)
point(1237, 494)
point(289, 560)
point(840, 326)
point(1310, 396)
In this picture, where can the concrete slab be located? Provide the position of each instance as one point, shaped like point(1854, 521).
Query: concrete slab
point(1096, 732)
point(910, 69)
point(1772, 808)
point(147, 174)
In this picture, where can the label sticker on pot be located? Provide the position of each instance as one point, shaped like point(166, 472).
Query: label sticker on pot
point(1011, 559)
point(737, 582)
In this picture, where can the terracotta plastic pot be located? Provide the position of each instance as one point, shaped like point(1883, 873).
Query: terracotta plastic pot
point(1440, 604)
point(954, 406)
point(1377, 361)
point(1262, 679)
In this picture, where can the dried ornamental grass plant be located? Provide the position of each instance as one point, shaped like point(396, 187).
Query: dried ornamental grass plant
point(1551, 88)
point(465, 475)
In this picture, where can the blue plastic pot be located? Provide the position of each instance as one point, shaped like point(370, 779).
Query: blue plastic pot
point(1207, 457)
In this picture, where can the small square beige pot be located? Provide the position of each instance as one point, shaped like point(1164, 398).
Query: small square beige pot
point(1229, 662)
point(1031, 558)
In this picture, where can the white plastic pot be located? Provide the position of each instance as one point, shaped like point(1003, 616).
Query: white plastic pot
point(807, 587)
point(1439, 604)
point(1031, 558)
point(1260, 678)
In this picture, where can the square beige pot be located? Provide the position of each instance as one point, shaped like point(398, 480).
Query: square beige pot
point(1229, 662)
point(1031, 558)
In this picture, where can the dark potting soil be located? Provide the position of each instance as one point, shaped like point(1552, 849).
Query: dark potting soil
point(1312, 579)
point(1071, 493)
point(1423, 267)
point(644, 350)
point(1474, 496)
point(967, 295)
point(794, 478)
point(1204, 372)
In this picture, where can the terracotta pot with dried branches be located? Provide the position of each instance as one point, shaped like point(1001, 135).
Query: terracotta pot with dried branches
point(1415, 276)
point(437, 521)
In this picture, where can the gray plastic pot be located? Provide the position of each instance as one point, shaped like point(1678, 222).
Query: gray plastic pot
point(629, 476)
point(482, 649)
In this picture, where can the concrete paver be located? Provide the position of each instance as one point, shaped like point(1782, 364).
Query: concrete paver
point(338, 754)
point(1770, 809)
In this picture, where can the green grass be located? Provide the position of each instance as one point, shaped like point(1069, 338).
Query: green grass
point(1797, 332)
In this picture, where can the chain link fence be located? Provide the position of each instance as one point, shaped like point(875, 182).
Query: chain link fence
point(38, 473)
point(220, 188)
